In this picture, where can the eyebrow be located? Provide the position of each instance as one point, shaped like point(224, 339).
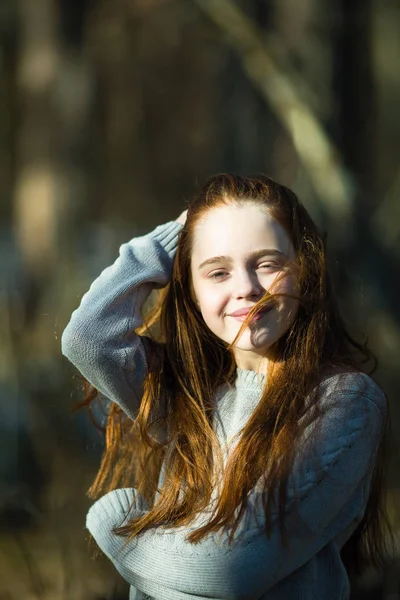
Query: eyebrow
point(252, 256)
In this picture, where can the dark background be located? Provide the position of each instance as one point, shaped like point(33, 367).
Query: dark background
point(112, 113)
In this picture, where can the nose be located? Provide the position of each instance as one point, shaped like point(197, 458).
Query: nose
point(247, 285)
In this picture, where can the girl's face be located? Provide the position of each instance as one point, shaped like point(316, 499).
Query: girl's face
point(238, 253)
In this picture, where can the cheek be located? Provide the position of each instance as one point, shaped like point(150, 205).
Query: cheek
point(288, 306)
point(209, 299)
point(283, 284)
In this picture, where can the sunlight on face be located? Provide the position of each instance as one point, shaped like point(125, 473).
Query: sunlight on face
point(238, 253)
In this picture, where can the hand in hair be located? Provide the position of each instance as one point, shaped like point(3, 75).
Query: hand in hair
point(182, 218)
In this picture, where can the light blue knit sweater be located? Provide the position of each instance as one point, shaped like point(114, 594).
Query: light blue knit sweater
point(328, 489)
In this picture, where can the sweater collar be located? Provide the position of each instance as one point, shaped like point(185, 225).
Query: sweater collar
point(249, 379)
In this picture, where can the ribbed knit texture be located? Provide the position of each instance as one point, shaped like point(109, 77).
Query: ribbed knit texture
point(327, 492)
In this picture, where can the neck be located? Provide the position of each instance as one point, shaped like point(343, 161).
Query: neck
point(249, 362)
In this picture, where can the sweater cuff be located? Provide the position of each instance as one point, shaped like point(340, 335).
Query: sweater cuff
point(167, 235)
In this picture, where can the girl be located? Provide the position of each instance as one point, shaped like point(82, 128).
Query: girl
point(244, 444)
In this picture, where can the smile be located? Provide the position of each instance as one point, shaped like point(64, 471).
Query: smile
point(243, 316)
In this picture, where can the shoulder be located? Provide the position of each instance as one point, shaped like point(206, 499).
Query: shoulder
point(343, 384)
point(346, 421)
point(342, 406)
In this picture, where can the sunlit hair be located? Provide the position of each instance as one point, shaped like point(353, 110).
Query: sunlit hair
point(187, 363)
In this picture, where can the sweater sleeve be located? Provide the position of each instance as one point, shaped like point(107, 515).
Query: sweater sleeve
point(325, 501)
point(99, 339)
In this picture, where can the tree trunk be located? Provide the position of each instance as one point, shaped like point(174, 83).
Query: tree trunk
point(355, 93)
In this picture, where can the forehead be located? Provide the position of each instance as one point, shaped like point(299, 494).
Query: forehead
point(237, 230)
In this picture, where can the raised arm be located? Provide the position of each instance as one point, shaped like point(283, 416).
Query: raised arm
point(326, 501)
point(99, 338)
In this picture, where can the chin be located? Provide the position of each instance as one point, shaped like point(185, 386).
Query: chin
point(251, 347)
point(254, 345)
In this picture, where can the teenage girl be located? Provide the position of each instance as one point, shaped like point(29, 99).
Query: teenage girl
point(244, 442)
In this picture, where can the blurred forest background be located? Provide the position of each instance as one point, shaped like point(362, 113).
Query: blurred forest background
point(111, 116)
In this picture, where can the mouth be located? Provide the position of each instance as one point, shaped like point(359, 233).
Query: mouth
point(241, 315)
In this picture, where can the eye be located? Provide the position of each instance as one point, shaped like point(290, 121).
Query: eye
point(217, 275)
point(268, 266)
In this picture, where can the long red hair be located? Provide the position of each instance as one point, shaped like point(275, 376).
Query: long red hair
point(187, 363)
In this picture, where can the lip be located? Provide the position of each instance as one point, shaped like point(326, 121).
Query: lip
point(242, 313)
